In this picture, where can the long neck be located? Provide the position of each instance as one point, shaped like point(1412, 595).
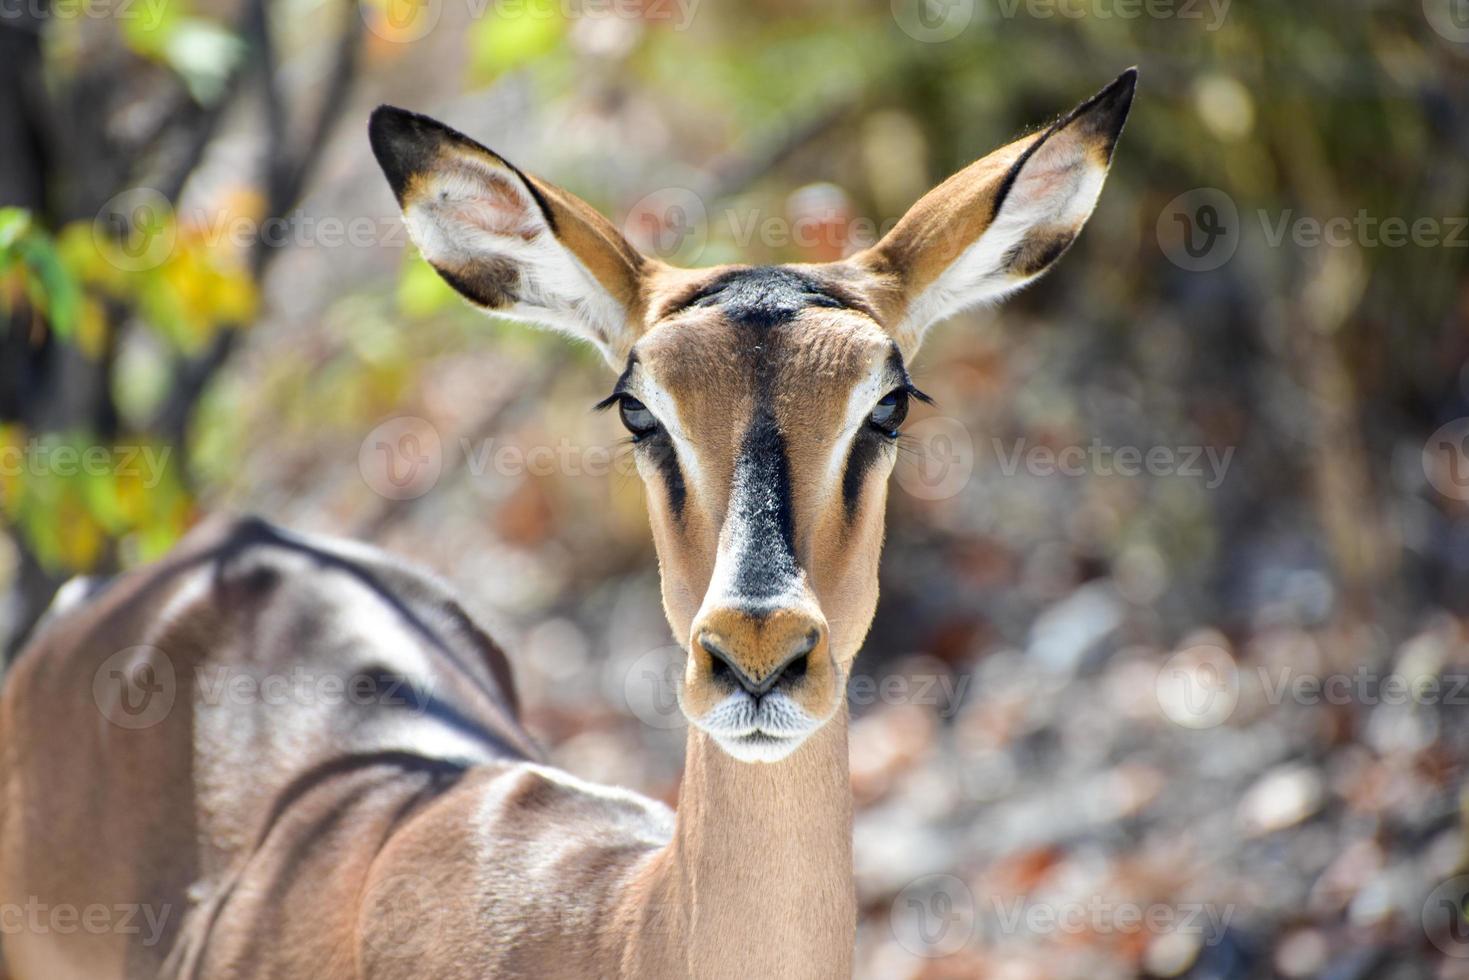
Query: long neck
point(757, 881)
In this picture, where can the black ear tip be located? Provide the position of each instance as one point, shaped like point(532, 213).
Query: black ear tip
point(1116, 98)
point(386, 125)
point(403, 143)
point(1105, 113)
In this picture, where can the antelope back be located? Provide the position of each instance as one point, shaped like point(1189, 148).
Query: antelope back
point(247, 719)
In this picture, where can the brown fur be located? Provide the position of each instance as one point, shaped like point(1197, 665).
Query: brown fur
point(349, 841)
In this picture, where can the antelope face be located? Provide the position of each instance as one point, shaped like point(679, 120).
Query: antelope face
point(764, 403)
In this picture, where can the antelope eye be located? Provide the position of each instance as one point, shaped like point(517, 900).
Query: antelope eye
point(890, 412)
point(635, 415)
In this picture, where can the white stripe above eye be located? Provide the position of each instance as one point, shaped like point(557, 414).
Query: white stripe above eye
point(860, 401)
point(665, 410)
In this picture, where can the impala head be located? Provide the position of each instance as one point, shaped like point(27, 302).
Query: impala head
point(764, 402)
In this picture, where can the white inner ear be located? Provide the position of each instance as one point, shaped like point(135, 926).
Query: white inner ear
point(472, 214)
point(1056, 188)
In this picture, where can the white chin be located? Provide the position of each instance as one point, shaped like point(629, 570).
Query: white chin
point(758, 746)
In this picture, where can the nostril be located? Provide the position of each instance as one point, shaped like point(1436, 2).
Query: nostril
point(719, 670)
point(725, 671)
point(796, 669)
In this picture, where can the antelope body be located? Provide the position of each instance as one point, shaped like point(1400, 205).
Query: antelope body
point(384, 815)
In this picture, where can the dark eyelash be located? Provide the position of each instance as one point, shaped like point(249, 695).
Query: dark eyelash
point(907, 386)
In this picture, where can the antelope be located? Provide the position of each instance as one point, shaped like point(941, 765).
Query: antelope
point(411, 832)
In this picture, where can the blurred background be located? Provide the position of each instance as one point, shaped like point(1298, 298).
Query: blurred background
point(1169, 675)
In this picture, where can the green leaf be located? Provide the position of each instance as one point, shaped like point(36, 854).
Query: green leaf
point(15, 224)
point(54, 290)
point(422, 292)
point(202, 52)
point(506, 41)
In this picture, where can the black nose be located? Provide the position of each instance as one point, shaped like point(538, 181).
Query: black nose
point(724, 667)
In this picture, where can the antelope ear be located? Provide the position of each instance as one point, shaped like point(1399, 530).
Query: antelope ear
point(1000, 222)
point(510, 243)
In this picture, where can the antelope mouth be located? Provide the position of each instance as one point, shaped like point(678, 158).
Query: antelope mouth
point(763, 730)
point(759, 746)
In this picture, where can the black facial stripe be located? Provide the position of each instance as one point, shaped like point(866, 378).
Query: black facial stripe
point(761, 504)
point(667, 461)
point(866, 446)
